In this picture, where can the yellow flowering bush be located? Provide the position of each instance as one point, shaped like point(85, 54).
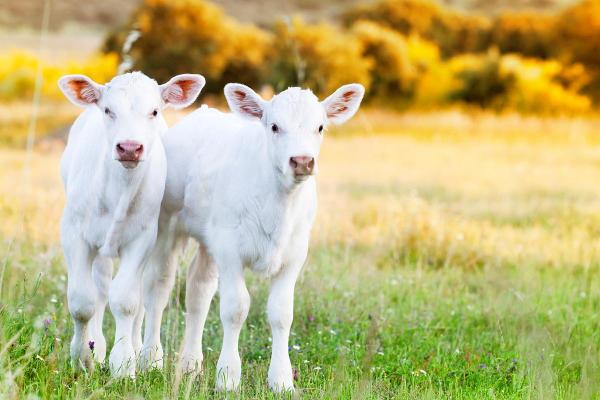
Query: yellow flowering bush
point(317, 56)
point(179, 36)
point(19, 70)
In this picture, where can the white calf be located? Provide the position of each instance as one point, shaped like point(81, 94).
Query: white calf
point(242, 185)
point(114, 171)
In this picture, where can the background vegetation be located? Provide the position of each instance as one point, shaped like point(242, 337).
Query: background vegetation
point(456, 252)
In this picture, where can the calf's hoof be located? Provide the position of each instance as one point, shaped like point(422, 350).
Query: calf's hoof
point(151, 357)
point(122, 361)
point(281, 381)
point(227, 380)
point(190, 364)
point(82, 357)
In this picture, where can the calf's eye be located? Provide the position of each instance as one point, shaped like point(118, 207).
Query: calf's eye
point(154, 113)
point(274, 128)
point(106, 111)
point(320, 128)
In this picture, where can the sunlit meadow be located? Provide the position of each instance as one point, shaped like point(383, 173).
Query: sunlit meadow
point(454, 256)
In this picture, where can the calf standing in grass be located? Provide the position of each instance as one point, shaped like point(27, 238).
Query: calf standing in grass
point(243, 186)
point(114, 169)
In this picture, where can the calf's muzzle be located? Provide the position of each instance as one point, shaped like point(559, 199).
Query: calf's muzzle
point(129, 151)
point(302, 166)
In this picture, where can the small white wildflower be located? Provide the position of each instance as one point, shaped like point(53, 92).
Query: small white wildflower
point(296, 347)
point(332, 332)
point(317, 368)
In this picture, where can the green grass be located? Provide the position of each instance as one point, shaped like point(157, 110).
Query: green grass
point(402, 331)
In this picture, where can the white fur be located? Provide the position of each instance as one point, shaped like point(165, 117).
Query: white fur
point(111, 210)
point(231, 187)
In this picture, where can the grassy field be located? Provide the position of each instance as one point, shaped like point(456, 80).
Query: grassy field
point(453, 257)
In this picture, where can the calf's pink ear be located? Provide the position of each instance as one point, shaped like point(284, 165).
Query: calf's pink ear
point(343, 103)
point(244, 101)
point(182, 90)
point(80, 90)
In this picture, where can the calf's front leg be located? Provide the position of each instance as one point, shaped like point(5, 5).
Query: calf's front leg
point(102, 269)
point(81, 297)
point(124, 300)
point(202, 282)
point(280, 310)
point(159, 278)
point(234, 306)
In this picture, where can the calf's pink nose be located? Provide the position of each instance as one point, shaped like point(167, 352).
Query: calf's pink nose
point(302, 165)
point(129, 150)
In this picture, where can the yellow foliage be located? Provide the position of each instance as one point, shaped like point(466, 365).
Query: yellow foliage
point(392, 71)
point(317, 56)
point(508, 82)
point(178, 36)
point(19, 70)
point(536, 88)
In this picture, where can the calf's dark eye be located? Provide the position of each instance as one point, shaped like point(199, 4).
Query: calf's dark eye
point(274, 128)
point(320, 128)
point(106, 111)
point(154, 113)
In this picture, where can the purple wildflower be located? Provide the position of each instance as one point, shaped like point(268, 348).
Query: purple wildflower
point(91, 344)
point(295, 374)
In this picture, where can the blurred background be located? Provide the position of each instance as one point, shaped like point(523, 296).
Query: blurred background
point(457, 248)
point(527, 56)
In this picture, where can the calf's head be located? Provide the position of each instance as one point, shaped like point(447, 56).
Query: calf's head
point(131, 106)
point(295, 121)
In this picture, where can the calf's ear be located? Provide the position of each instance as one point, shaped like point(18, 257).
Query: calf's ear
point(182, 90)
point(343, 103)
point(244, 101)
point(80, 90)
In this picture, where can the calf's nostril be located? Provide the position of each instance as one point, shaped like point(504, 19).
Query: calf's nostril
point(293, 162)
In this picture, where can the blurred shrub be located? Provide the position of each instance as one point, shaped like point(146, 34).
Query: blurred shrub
point(525, 33)
point(392, 73)
point(482, 82)
point(453, 33)
point(396, 60)
point(544, 86)
point(18, 73)
point(505, 82)
point(578, 40)
point(179, 36)
point(320, 57)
